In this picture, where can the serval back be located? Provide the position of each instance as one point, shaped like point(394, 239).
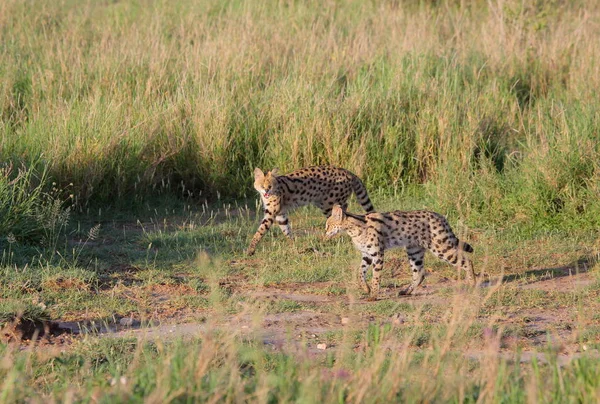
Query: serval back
point(416, 231)
point(322, 186)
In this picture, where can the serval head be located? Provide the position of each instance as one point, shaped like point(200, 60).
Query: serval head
point(335, 222)
point(266, 184)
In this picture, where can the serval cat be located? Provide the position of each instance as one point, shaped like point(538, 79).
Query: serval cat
point(322, 186)
point(416, 231)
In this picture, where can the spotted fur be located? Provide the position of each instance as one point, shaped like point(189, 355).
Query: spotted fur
point(416, 231)
point(322, 186)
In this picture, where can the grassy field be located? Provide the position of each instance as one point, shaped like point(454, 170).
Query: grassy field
point(129, 131)
point(167, 308)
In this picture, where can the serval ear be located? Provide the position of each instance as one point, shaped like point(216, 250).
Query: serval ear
point(274, 172)
point(258, 174)
point(337, 213)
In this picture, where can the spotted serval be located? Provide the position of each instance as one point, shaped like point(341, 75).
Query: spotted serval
point(416, 231)
point(322, 186)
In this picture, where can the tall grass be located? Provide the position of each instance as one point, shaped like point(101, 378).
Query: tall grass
point(449, 362)
point(492, 104)
point(27, 211)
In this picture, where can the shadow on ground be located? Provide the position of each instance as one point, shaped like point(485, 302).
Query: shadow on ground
point(580, 266)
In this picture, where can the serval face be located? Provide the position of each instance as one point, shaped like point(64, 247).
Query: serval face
point(334, 223)
point(266, 184)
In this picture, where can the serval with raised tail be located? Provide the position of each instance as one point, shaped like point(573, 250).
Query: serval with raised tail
point(416, 231)
point(322, 186)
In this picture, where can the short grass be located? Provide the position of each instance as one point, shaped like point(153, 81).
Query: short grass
point(186, 266)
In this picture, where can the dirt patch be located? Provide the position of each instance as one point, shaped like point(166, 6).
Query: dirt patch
point(305, 321)
point(65, 283)
point(294, 332)
point(23, 331)
point(297, 297)
point(165, 291)
point(546, 328)
point(309, 323)
point(569, 283)
point(234, 282)
point(579, 267)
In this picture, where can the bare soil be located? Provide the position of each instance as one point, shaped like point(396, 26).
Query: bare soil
point(306, 329)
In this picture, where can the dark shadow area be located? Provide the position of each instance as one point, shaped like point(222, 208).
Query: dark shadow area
point(581, 265)
point(492, 143)
point(21, 330)
point(148, 268)
point(105, 325)
point(163, 237)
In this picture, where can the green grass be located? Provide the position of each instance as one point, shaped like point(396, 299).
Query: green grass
point(12, 310)
point(196, 271)
point(199, 370)
point(128, 135)
point(118, 102)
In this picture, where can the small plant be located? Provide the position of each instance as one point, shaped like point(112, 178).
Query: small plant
point(53, 220)
point(73, 260)
point(22, 320)
point(21, 193)
point(24, 311)
point(29, 213)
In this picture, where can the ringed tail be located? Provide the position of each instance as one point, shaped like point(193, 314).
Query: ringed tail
point(465, 246)
point(361, 195)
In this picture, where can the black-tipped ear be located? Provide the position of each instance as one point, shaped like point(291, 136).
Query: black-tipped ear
point(258, 174)
point(337, 213)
